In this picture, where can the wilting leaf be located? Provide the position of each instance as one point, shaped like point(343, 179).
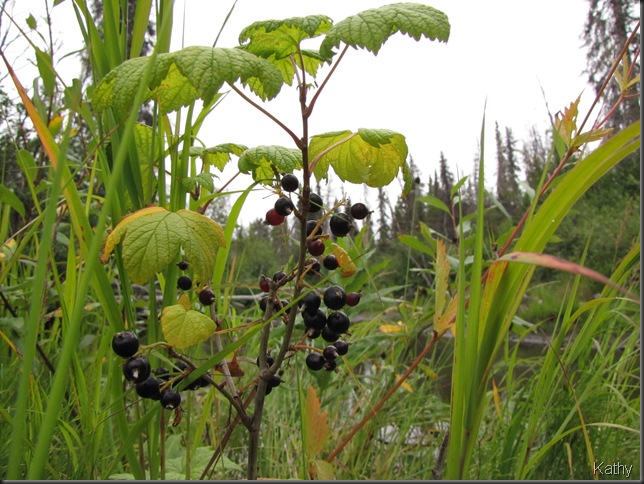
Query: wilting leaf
point(344, 261)
point(152, 238)
point(316, 424)
point(183, 329)
point(443, 318)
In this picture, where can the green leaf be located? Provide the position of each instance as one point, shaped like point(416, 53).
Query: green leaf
point(145, 152)
point(321, 470)
point(277, 40)
point(7, 196)
point(181, 77)
point(31, 22)
point(199, 459)
point(414, 243)
point(152, 238)
point(281, 38)
point(262, 161)
point(46, 71)
point(370, 156)
point(435, 202)
point(371, 28)
point(185, 328)
point(203, 179)
point(218, 156)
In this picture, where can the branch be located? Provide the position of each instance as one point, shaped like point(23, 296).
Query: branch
point(298, 142)
point(317, 94)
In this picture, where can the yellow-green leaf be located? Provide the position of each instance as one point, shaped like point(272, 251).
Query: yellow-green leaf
point(370, 156)
point(404, 385)
point(321, 470)
point(152, 238)
point(344, 261)
point(183, 329)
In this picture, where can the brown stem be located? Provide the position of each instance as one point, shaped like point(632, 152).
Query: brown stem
point(317, 94)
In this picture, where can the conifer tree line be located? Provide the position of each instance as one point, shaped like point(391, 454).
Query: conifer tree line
point(518, 166)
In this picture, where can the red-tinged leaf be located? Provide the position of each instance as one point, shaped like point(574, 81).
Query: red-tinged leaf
point(566, 122)
point(316, 424)
point(552, 262)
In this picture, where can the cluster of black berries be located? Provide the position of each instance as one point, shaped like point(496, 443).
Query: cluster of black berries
point(327, 359)
point(206, 296)
point(317, 322)
point(340, 223)
point(329, 326)
point(138, 371)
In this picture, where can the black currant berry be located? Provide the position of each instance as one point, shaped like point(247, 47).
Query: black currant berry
point(273, 218)
point(335, 298)
point(330, 262)
point(137, 369)
point(316, 203)
point(311, 302)
point(315, 361)
point(149, 388)
point(184, 283)
point(284, 206)
point(330, 365)
point(353, 298)
point(278, 276)
point(198, 383)
point(207, 297)
point(338, 322)
point(328, 335)
point(310, 227)
point(170, 399)
point(183, 265)
point(342, 347)
point(289, 182)
point(269, 360)
point(273, 381)
point(313, 265)
point(162, 373)
point(315, 319)
point(263, 303)
point(125, 344)
point(316, 247)
point(314, 333)
point(340, 224)
point(283, 304)
point(330, 353)
point(359, 211)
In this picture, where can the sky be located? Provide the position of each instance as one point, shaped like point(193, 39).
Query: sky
point(512, 60)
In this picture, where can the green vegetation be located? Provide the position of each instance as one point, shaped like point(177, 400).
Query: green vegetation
point(467, 335)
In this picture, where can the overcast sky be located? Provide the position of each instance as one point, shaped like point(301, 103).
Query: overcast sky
point(505, 51)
